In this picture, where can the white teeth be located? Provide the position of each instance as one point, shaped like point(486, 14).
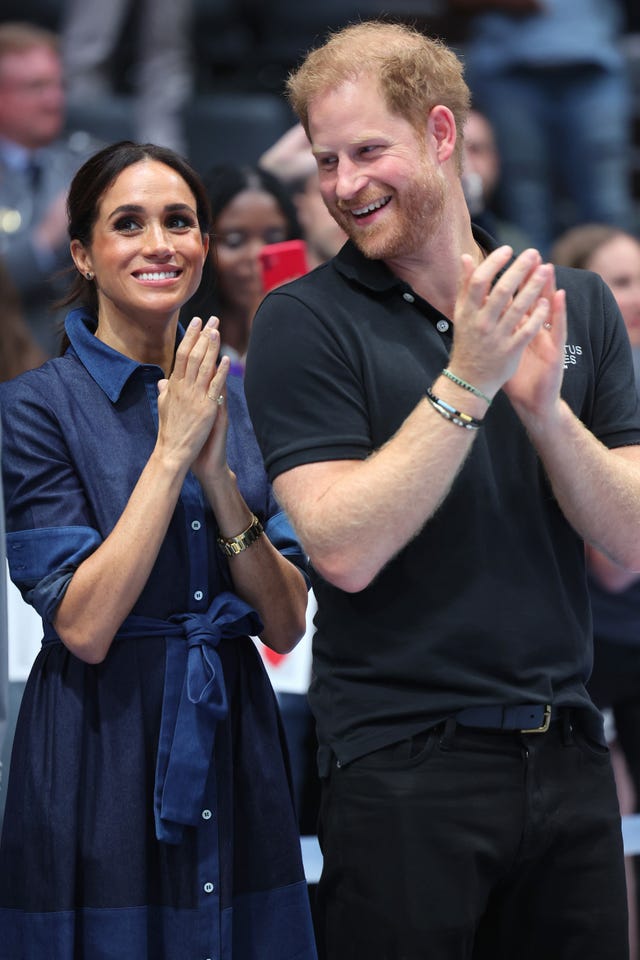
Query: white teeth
point(371, 207)
point(162, 275)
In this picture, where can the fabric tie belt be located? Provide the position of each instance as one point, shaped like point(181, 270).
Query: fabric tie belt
point(527, 718)
point(194, 700)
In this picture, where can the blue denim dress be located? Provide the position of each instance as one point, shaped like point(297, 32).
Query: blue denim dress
point(149, 809)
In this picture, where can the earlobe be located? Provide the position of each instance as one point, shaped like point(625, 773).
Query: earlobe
point(80, 258)
point(442, 127)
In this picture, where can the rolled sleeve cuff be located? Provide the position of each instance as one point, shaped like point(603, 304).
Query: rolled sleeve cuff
point(43, 561)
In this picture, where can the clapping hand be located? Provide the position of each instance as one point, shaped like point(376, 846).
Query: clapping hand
point(191, 402)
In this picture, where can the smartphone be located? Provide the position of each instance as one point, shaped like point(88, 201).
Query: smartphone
point(281, 262)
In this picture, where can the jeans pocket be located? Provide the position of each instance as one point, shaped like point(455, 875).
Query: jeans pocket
point(590, 747)
point(402, 755)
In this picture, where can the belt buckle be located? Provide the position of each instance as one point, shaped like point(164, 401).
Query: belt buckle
point(546, 720)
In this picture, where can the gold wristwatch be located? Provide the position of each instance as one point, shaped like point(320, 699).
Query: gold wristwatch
point(231, 546)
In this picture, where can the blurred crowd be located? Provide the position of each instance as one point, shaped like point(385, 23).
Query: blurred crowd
point(74, 76)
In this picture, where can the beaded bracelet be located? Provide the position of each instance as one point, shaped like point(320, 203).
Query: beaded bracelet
point(450, 413)
point(466, 386)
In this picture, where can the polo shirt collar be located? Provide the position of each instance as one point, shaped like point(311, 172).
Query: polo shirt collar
point(110, 370)
point(375, 274)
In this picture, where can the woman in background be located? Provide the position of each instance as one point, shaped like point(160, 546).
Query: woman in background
point(251, 208)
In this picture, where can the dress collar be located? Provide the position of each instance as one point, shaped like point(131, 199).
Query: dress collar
point(110, 369)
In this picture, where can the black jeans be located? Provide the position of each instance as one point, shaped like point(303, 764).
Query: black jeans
point(474, 844)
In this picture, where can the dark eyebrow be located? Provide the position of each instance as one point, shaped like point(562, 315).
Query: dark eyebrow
point(179, 207)
point(126, 208)
point(136, 208)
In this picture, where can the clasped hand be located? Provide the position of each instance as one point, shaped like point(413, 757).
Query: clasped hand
point(192, 427)
point(510, 329)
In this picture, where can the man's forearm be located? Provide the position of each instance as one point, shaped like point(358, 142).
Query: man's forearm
point(597, 489)
point(353, 517)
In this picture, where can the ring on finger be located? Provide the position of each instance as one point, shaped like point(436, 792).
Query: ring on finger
point(219, 399)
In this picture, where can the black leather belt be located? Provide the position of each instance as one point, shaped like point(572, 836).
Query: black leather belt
point(526, 718)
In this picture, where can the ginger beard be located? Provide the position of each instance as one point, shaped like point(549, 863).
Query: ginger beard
point(411, 217)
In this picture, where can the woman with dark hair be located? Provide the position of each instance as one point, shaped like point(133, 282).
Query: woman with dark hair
point(251, 208)
point(148, 812)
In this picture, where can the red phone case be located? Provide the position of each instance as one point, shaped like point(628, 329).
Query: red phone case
point(282, 262)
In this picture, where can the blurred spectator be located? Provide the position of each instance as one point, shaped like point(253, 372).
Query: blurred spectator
point(291, 160)
point(551, 78)
point(36, 167)
point(18, 349)
point(480, 178)
point(18, 352)
point(162, 71)
point(251, 208)
point(615, 593)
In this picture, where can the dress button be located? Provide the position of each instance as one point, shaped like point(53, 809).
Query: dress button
point(208, 888)
point(409, 297)
point(195, 524)
point(198, 595)
point(206, 814)
point(442, 326)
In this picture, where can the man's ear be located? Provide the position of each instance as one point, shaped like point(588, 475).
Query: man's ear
point(441, 127)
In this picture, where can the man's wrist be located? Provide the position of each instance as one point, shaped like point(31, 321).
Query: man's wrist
point(544, 421)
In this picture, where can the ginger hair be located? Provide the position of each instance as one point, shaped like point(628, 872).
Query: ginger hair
point(414, 73)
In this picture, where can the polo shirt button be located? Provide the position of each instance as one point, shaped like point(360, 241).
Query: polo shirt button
point(208, 888)
point(206, 814)
point(195, 524)
point(198, 595)
point(409, 297)
point(442, 326)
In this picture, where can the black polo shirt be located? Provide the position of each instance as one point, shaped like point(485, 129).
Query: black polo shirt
point(488, 604)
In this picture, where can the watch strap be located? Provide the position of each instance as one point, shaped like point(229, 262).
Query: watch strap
point(232, 546)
